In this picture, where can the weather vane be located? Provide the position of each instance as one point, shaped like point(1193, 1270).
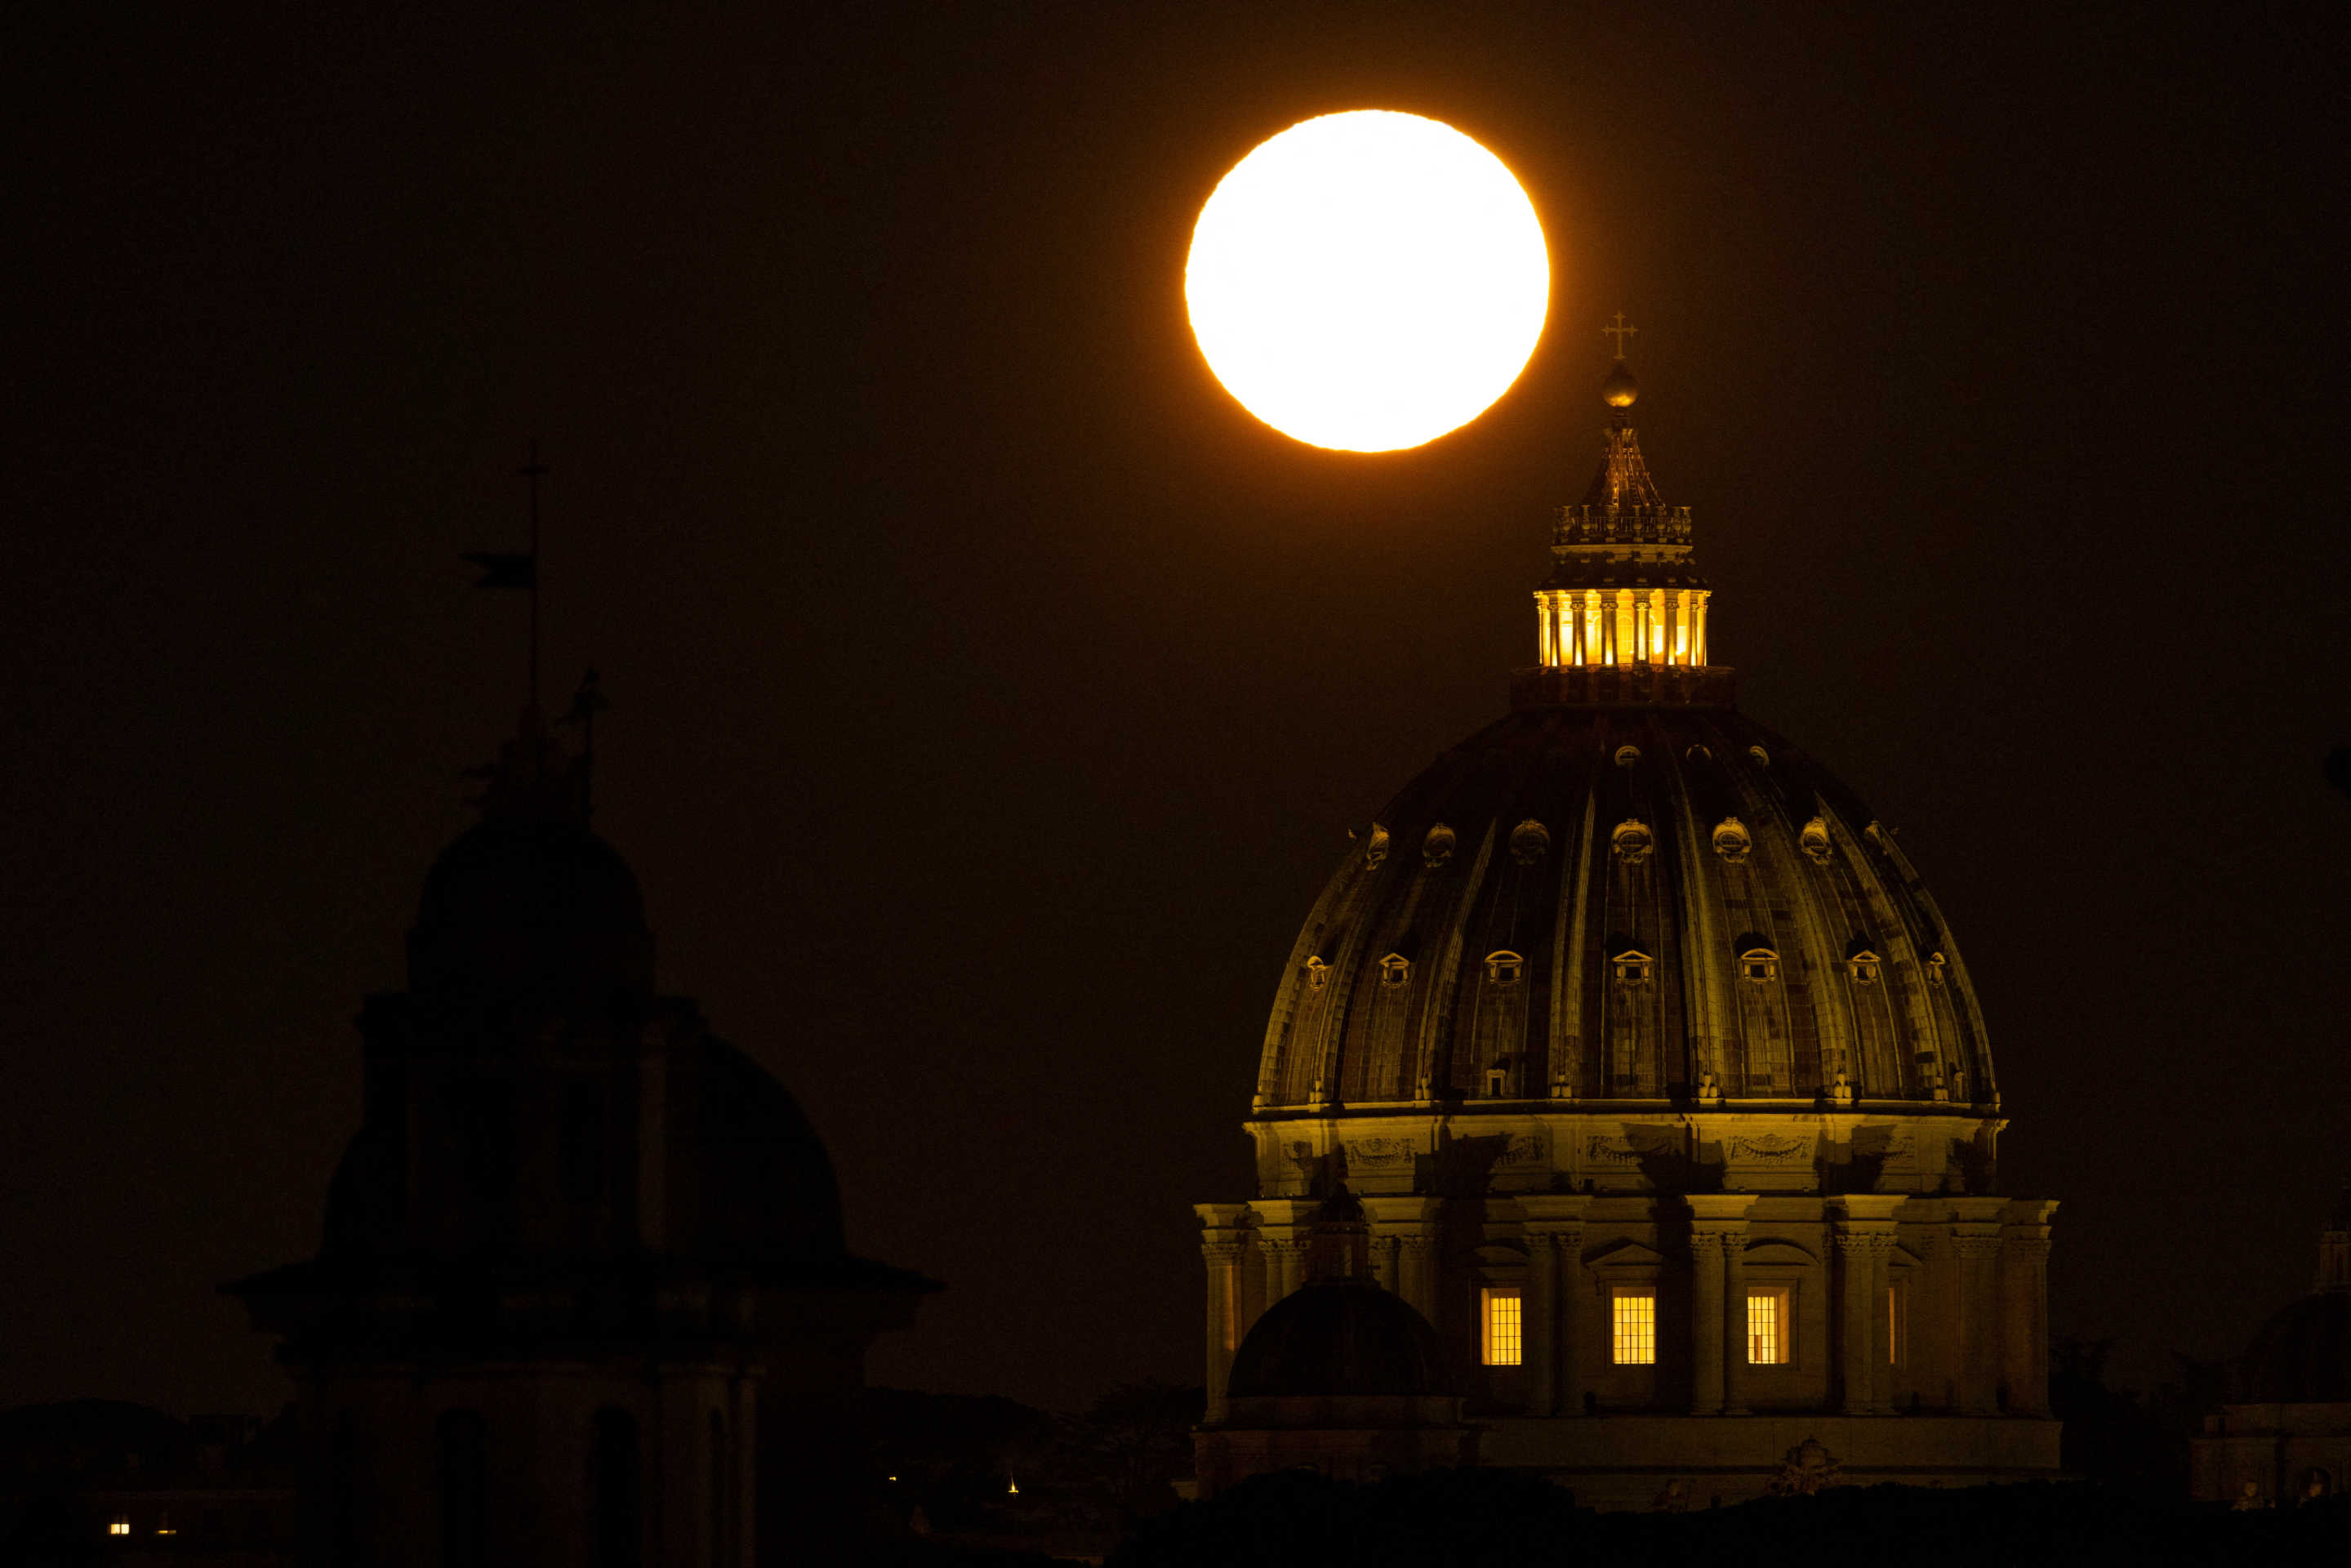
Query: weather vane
point(1619, 331)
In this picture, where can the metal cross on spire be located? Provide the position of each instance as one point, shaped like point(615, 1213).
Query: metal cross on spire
point(1619, 331)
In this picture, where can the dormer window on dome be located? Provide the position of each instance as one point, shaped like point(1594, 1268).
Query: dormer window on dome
point(1759, 965)
point(1937, 967)
point(1814, 841)
point(1862, 967)
point(1530, 841)
point(1318, 974)
point(1437, 848)
point(1731, 841)
point(1395, 970)
point(1631, 840)
point(1632, 967)
point(1503, 967)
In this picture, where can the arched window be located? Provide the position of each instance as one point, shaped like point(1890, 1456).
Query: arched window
point(1632, 966)
point(1759, 965)
point(1395, 970)
point(1503, 967)
point(1627, 755)
point(1732, 841)
point(613, 1489)
point(461, 1470)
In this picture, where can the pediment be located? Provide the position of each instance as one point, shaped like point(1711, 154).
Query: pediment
point(1626, 1253)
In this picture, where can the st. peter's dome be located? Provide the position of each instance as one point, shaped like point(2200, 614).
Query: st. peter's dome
point(1658, 1074)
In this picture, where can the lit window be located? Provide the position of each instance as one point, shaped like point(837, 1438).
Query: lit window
point(1394, 970)
point(1502, 968)
point(163, 1525)
point(1634, 1339)
point(1767, 1326)
point(1759, 965)
point(1504, 1328)
point(119, 1525)
point(1632, 965)
point(1893, 1324)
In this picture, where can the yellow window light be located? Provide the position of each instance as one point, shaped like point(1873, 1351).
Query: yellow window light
point(1634, 1342)
point(1505, 1328)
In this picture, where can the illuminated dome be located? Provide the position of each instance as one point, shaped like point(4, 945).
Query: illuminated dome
point(1612, 903)
point(1658, 1074)
point(1628, 896)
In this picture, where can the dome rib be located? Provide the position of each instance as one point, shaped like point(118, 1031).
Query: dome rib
point(1437, 1029)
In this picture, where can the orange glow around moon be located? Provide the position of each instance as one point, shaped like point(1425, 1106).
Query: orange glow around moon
point(1367, 281)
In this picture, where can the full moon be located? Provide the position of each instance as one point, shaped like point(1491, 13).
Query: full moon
point(1367, 281)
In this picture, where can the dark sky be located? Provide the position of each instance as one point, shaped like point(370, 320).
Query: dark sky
point(992, 694)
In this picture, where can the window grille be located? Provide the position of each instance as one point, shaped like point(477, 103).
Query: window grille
point(1635, 1340)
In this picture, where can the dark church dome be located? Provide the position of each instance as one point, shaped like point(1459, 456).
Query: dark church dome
point(524, 874)
point(2303, 1355)
point(1337, 1336)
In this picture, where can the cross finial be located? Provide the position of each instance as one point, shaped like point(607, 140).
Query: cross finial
point(1620, 331)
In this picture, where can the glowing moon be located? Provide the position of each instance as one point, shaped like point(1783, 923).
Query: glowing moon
point(1368, 280)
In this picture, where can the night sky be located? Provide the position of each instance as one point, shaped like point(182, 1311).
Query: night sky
point(992, 695)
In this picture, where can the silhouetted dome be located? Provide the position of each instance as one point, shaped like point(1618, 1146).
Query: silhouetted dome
point(753, 1187)
point(1684, 870)
point(531, 905)
point(1337, 1336)
point(511, 875)
point(2303, 1355)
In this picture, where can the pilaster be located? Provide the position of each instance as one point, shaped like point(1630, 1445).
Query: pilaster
point(1718, 1305)
point(1864, 1241)
point(1410, 1225)
point(1555, 1224)
point(1976, 1243)
point(1223, 1242)
point(2025, 1281)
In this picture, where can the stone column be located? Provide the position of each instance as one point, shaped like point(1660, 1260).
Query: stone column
point(1706, 1322)
point(1734, 1324)
point(1718, 1302)
point(1540, 1322)
point(1864, 1240)
point(2024, 1292)
point(1555, 1224)
point(1978, 1247)
point(1221, 1248)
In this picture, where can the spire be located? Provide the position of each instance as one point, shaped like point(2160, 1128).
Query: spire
point(1624, 590)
